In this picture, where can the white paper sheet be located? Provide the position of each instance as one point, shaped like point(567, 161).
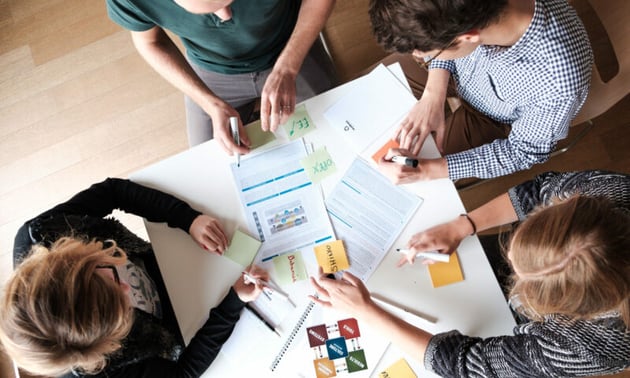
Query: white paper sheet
point(282, 206)
point(368, 213)
point(373, 107)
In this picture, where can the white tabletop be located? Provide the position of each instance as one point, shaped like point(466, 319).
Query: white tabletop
point(197, 280)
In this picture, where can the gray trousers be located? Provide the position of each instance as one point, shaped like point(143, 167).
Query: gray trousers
point(241, 90)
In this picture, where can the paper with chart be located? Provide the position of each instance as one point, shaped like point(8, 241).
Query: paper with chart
point(281, 204)
point(368, 213)
point(365, 113)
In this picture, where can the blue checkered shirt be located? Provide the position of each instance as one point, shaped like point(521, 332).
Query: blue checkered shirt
point(538, 85)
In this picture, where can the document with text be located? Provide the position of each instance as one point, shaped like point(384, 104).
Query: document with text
point(368, 213)
point(282, 206)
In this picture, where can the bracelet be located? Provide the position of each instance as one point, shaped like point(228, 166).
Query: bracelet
point(471, 223)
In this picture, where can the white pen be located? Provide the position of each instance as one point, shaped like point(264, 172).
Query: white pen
point(435, 256)
point(269, 285)
point(236, 137)
point(380, 301)
point(404, 160)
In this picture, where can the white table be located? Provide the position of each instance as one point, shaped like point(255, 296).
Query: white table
point(197, 280)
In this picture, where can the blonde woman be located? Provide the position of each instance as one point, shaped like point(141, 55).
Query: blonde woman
point(570, 284)
point(87, 297)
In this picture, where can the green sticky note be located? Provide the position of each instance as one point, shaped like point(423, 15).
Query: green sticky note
point(258, 137)
point(289, 268)
point(318, 165)
point(242, 248)
point(299, 123)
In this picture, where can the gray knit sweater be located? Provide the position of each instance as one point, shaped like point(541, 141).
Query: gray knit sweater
point(557, 346)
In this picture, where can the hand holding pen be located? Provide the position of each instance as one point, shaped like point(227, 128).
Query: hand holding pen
point(266, 284)
point(248, 291)
point(400, 166)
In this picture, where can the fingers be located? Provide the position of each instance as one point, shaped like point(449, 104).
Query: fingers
point(213, 237)
point(395, 152)
point(244, 138)
point(403, 261)
point(320, 290)
point(275, 114)
point(351, 278)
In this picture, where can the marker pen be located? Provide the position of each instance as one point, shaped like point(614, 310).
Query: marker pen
point(404, 160)
point(236, 137)
point(269, 285)
point(435, 256)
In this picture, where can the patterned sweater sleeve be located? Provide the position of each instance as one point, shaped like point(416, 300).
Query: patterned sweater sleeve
point(547, 186)
point(556, 347)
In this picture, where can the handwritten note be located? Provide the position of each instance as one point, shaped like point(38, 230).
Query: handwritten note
point(318, 165)
point(332, 256)
point(446, 273)
point(258, 137)
point(299, 123)
point(242, 248)
point(289, 268)
point(399, 369)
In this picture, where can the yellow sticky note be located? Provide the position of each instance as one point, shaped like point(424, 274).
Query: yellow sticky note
point(258, 137)
point(299, 123)
point(332, 256)
point(446, 273)
point(242, 248)
point(399, 369)
point(318, 165)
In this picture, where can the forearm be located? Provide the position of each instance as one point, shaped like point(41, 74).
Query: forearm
point(408, 338)
point(311, 19)
point(496, 212)
point(436, 85)
point(161, 53)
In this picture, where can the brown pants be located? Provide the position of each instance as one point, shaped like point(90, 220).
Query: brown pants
point(466, 128)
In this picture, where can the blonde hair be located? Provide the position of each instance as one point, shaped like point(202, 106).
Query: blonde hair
point(57, 315)
point(573, 258)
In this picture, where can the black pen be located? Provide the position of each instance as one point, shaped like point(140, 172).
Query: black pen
point(410, 162)
point(260, 317)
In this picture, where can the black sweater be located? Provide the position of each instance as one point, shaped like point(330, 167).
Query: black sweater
point(154, 347)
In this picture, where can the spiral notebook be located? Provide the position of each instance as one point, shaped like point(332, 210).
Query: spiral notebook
point(325, 343)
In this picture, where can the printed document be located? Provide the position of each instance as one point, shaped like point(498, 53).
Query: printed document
point(368, 213)
point(281, 204)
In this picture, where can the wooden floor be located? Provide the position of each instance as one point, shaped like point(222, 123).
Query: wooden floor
point(77, 104)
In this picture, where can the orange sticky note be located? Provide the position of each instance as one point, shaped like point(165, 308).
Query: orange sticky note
point(446, 273)
point(383, 150)
point(332, 256)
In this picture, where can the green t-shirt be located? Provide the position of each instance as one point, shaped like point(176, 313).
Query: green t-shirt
point(251, 41)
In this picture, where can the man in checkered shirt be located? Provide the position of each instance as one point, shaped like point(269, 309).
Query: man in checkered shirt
point(522, 69)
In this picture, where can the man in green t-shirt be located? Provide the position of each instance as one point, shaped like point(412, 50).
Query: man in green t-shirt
point(236, 51)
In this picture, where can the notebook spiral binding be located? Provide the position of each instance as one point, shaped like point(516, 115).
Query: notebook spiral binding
point(292, 335)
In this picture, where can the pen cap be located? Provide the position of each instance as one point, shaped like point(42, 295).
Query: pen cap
point(234, 124)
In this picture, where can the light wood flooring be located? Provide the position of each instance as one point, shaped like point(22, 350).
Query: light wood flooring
point(78, 104)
